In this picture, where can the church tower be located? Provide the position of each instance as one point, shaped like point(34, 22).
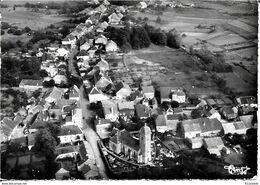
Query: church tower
point(145, 144)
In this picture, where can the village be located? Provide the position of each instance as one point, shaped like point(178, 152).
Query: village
point(105, 117)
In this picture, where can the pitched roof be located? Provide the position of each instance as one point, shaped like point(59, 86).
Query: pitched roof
point(29, 82)
point(213, 142)
point(148, 89)
point(122, 85)
point(160, 120)
point(31, 138)
point(55, 94)
point(126, 138)
point(38, 124)
point(247, 120)
point(126, 105)
point(141, 110)
point(192, 125)
point(95, 90)
point(102, 121)
point(109, 107)
point(209, 125)
point(69, 130)
point(103, 82)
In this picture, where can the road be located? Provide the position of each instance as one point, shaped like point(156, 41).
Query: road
point(87, 115)
point(90, 133)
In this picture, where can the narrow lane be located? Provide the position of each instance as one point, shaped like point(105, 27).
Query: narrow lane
point(90, 133)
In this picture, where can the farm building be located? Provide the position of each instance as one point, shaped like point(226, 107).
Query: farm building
point(31, 85)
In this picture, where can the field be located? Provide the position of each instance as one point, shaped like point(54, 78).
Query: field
point(22, 17)
point(168, 67)
point(10, 37)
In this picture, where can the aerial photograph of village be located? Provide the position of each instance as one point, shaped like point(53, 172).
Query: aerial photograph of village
point(129, 89)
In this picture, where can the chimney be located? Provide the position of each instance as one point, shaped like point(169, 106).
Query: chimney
point(204, 123)
point(112, 110)
point(99, 121)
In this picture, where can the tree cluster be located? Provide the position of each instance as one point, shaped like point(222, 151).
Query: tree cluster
point(127, 38)
point(159, 37)
point(14, 70)
point(19, 99)
point(41, 35)
point(213, 62)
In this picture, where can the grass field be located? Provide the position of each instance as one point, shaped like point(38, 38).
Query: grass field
point(22, 17)
point(10, 37)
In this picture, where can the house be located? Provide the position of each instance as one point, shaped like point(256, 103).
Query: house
point(85, 46)
point(142, 111)
point(167, 121)
point(142, 5)
point(210, 127)
point(69, 134)
point(136, 96)
point(69, 40)
point(212, 113)
point(36, 126)
point(55, 95)
point(238, 127)
point(60, 80)
point(102, 8)
point(31, 140)
point(195, 143)
point(77, 117)
point(103, 65)
point(229, 112)
point(172, 94)
point(148, 92)
point(62, 174)
point(111, 46)
point(95, 95)
point(247, 101)
point(110, 110)
point(137, 150)
point(103, 127)
point(102, 26)
point(62, 52)
point(83, 54)
point(7, 126)
point(161, 125)
point(34, 109)
point(122, 90)
point(190, 128)
point(31, 85)
point(115, 18)
point(126, 109)
point(103, 82)
point(74, 93)
point(101, 40)
point(247, 120)
point(178, 95)
point(213, 145)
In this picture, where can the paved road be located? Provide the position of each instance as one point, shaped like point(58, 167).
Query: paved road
point(90, 134)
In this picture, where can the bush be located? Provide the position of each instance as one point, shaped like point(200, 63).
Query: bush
point(139, 38)
point(173, 40)
point(4, 25)
point(17, 32)
point(2, 32)
point(26, 29)
point(158, 20)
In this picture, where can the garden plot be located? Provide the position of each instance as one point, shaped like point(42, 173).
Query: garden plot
point(242, 25)
point(235, 82)
point(226, 39)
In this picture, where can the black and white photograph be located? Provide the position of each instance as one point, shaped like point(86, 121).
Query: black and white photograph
point(143, 90)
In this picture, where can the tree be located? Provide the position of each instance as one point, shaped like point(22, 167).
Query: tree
point(45, 143)
point(158, 20)
point(19, 43)
point(175, 104)
point(139, 38)
point(43, 73)
point(37, 93)
point(173, 40)
point(50, 83)
point(26, 29)
point(196, 113)
point(2, 32)
point(65, 30)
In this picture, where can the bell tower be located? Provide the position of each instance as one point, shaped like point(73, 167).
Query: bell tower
point(145, 144)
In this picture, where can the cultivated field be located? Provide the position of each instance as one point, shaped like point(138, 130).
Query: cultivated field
point(22, 17)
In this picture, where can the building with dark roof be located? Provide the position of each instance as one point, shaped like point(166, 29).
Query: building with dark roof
point(70, 133)
point(142, 111)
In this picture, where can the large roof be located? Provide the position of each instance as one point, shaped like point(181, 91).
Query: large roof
point(160, 120)
point(31, 82)
point(69, 130)
point(213, 142)
point(209, 125)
